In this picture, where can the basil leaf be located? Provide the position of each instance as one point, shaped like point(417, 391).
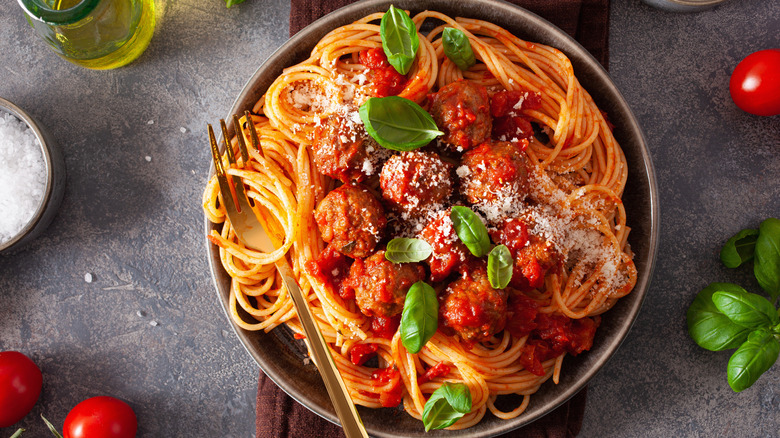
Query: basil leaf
point(446, 406)
point(420, 317)
point(500, 266)
point(470, 229)
point(767, 264)
point(752, 359)
point(399, 39)
point(230, 3)
point(746, 309)
point(458, 48)
point(739, 249)
point(403, 250)
point(710, 328)
point(397, 123)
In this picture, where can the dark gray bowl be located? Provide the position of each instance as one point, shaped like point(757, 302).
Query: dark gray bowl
point(55, 181)
point(281, 358)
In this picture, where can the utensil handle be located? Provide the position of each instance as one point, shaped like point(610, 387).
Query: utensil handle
point(342, 402)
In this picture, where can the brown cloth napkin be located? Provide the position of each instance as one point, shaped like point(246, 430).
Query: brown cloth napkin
point(278, 415)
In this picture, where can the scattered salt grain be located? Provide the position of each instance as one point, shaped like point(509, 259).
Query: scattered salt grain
point(183, 130)
point(148, 158)
point(150, 122)
point(22, 175)
point(88, 277)
point(140, 313)
point(154, 323)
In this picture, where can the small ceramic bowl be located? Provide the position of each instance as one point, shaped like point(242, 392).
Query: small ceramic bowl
point(55, 181)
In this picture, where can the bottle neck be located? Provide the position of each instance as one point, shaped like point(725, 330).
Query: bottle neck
point(50, 11)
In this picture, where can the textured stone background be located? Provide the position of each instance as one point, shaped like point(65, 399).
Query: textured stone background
point(149, 329)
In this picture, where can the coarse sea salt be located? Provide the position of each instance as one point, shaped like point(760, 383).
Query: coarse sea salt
point(22, 175)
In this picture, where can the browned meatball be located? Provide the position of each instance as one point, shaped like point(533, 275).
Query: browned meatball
point(412, 182)
point(448, 251)
point(380, 286)
point(351, 219)
point(494, 172)
point(470, 307)
point(342, 151)
point(462, 111)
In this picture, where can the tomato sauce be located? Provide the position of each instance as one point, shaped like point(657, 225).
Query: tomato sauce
point(441, 369)
point(508, 123)
point(385, 327)
point(554, 335)
point(387, 381)
point(360, 353)
point(331, 268)
point(385, 79)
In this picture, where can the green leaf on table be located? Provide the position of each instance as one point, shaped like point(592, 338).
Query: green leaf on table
point(500, 267)
point(458, 48)
point(708, 326)
point(739, 249)
point(399, 39)
point(766, 266)
point(420, 317)
point(230, 3)
point(743, 308)
point(752, 359)
point(447, 405)
point(397, 123)
point(470, 230)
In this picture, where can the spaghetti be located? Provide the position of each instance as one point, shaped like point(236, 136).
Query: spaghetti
point(576, 173)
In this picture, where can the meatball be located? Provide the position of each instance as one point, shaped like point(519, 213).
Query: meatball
point(462, 111)
point(448, 251)
point(380, 286)
point(533, 254)
point(470, 307)
point(342, 151)
point(412, 182)
point(351, 220)
point(494, 173)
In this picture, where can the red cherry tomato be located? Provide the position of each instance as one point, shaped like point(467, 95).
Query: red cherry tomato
point(20, 386)
point(755, 83)
point(100, 417)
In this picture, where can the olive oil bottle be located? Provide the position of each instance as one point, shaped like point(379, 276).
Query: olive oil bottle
point(96, 34)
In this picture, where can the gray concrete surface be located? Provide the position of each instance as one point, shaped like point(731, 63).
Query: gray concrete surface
point(148, 328)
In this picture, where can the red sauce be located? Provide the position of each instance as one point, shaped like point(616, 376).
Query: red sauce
point(441, 369)
point(385, 327)
point(331, 268)
point(387, 382)
point(513, 233)
point(385, 80)
point(299, 336)
point(554, 335)
point(521, 313)
point(360, 353)
point(508, 123)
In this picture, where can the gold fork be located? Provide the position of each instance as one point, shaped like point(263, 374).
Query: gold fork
point(251, 233)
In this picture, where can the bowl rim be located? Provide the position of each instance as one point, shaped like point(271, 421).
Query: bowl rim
point(20, 114)
point(339, 17)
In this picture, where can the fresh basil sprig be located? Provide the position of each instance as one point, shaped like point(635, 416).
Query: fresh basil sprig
point(230, 3)
point(752, 359)
point(470, 230)
point(458, 48)
point(446, 406)
point(500, 266)
point(766, 267)
point(404, 250)
point(420, 317)
point(397, 123)
point(725, 316)
point(739, 249)
point(399, 39)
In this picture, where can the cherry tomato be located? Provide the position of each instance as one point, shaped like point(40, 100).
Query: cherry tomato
point(20, 386)
point(755, 83)
point(100, 417)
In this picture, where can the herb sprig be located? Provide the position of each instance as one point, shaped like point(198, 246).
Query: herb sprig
point(725, 316)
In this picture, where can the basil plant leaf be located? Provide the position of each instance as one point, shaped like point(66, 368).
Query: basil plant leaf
point(404, 250)
point(470, 230)
point(710, 328)
point(766, 267)
point(500, 266)
point(397, 123)
point(230, 3)
point(746, 309)
point(752, 359)
point(420, 317)
point(399, 39)
point(458, 48)
point(739, 249)
point(446, 406)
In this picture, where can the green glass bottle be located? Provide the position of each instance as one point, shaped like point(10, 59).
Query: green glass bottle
point(96, 34)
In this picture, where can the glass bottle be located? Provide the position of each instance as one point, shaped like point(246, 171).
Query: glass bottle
point(96, 34)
